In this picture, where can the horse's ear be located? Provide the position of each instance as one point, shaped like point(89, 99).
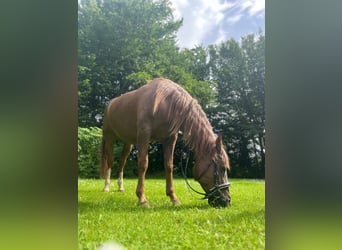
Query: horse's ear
point(219, 143)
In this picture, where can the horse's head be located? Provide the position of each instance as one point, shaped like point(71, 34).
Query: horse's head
point(211, 172)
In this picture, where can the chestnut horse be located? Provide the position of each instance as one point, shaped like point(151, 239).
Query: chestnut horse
point(157, 111)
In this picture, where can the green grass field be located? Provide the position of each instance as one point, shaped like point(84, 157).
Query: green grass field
point(193, 224)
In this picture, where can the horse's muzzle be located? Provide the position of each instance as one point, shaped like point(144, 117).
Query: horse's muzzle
point(219, 201)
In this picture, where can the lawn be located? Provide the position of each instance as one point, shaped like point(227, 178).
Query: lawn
point(193, 224)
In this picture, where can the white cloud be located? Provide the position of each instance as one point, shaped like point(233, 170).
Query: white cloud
point(216, 5)
point(257, 7)
point(245, 5)
point(234, 19)
point(200, 22)
point(253, 7)
point(221, 36)
point(207, 21)
point(219, 17)
point(200, 17)
point(179, 6)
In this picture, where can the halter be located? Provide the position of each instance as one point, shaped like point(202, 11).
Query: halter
point(211, 191)
point(217, 186)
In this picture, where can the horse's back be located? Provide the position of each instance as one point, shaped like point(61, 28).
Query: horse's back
point(145, 109)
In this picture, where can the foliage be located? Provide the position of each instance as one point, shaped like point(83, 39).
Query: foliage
point(239, 70)
point(89, 141)
point(123, 43)
point(193, 224)
point(89, 153)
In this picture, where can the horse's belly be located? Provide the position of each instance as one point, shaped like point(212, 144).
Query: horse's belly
point(160, 132)
point(125, 129)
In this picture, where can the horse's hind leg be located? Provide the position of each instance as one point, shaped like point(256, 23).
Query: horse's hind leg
point(107, 162)
point(125, 152)
point(142, 145)
point(169, 147)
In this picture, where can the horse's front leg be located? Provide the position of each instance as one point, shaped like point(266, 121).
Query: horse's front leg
point(168, 147)
point(142, 168)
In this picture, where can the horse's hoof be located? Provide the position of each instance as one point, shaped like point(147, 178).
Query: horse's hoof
point(144, 204)
point(175, 202)
point(106, 190)
point(121, 190)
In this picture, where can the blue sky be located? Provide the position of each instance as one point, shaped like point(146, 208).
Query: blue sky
point(212, 21)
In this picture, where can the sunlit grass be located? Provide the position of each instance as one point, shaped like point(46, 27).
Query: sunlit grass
point(193, 224)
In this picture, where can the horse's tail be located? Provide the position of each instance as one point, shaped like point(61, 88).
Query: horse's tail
point(104, 164)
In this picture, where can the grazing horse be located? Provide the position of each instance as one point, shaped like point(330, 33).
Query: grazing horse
point(157, 111)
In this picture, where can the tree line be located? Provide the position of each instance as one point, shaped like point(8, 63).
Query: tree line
point(125, 43)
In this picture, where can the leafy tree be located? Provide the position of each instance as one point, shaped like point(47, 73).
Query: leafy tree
point(195, 62)
point(122, 43)
point(239, 71)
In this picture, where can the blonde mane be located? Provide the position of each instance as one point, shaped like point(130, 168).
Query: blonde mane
point(184, 113)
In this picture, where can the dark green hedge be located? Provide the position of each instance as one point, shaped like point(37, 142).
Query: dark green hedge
point(89, 141)
point(89, 152)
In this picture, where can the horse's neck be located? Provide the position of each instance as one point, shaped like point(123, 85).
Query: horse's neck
point(198, 135)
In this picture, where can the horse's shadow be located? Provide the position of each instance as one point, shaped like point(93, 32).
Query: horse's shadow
point(127, 205)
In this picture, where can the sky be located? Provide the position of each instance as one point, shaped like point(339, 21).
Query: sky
point(213, 21)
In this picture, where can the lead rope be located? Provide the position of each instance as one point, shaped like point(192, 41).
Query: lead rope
point(189, 187)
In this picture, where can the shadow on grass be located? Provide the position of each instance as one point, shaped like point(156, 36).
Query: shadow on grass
point(96, 201)
point(128, 205)
point(131, 206)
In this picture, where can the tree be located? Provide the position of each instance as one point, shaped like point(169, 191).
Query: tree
point(122, 43)
point(239, 72)
point(195, 62)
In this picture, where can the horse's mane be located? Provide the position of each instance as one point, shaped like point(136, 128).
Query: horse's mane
point(184, 113)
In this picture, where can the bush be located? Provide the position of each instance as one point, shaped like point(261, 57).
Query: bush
point(89, 155)
point(89, 142)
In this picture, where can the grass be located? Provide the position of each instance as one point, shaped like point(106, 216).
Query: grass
point(193, 224)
